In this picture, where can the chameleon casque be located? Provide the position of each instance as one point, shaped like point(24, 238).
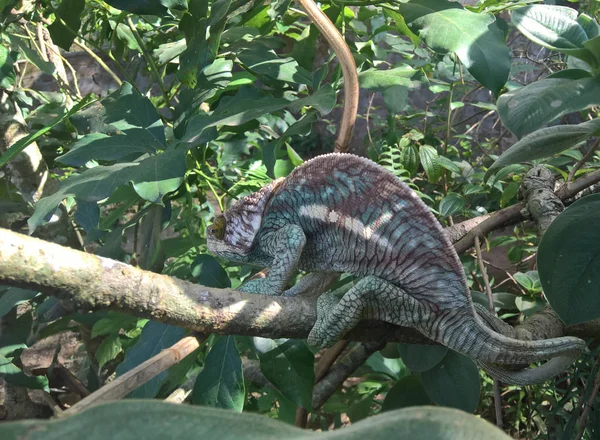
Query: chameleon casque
point(342, 213)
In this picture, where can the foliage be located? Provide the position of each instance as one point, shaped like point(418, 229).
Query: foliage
point(217, 98)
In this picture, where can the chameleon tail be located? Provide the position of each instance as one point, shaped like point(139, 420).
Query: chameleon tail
point(473, 338)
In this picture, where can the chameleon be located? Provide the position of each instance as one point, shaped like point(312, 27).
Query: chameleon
point(340, 213)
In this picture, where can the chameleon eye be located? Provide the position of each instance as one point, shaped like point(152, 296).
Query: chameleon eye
point(218, 227)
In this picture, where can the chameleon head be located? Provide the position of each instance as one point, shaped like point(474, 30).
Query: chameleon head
point(232, 234)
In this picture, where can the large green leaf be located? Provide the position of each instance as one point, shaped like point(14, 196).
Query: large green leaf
point(13, 297)
point(454, 382)
point(15, 376)
point(546, 142)
point(148, 7)
point(150, 420)
point(408, 391)
point(208, 272)
point(221, 382)
point(264, 61)
point(68, 11)
point(98, 146)
point(420, 357)
point(7, 71)
point(155, 337)
point(152, 178)
point(526, 109)
point(126, 109)
point(289, 365)
point(476, 38)
point(378, 79)
point(554, 27)
point(569, 261)
point(248, 105)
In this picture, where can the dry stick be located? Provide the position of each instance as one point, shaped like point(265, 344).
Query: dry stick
point(141, 374)
point(325, 362)
point(589, 403)
point(488, 291)
point(339, 46)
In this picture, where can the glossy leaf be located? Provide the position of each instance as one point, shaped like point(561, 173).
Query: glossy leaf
point(69, 12)
point(154, 420)
point(569, 261)
point(420, 357)
point(526, 109)
point(7, 70)
point(393, 368)
point(554, 27)
point(155, 337)
point(408, 391)
point(264, 61)
point(428, 156)
point(13, 297)
point(108, 349)
point(98, 146)
point(148, 7)
point(454, 382)
point(152, 178)
point(379, 79)
point(546, 142)
point(220, 384)
point(477, 40)
point(289, 366)
point(208, 272)
point(451, 204)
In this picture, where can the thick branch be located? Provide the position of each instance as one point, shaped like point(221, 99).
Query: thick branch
point(91, 282)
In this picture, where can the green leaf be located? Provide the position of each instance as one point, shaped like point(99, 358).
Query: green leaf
point(154, 420)
point(13, 297)
point(7, 71)
point(113, 323)
point(420, 357)
point(529, 280)
point(108, 350)
point(451, 204)
point(148, 7)
point(289, 365)
point(408, 391)
point(98, 146)
point(476, 38)
point(155, 337)
point(454, 382)
point(13, 375)
point(390, 367)
point(554, 27)
point(240, 109)
point(264, 61)
point(220, 384)
point(68, 11)
point(569, 261)
point(378, 79)
point(126, 109)
point(546, 142)
point(31, 55)
point(429, 156)
point(152, 178)
point(22, 143)
point(409, 158)
point(208, 272)
point(395, 98)
point(526, 109)
point(447, 164)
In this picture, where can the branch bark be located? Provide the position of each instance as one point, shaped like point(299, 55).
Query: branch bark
point(89, 282)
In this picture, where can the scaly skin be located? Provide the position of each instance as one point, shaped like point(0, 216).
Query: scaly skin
point(341, 213)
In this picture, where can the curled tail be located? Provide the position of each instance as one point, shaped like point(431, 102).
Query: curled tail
point(473, 338)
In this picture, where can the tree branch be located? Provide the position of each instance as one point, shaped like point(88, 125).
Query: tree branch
point(91, 282)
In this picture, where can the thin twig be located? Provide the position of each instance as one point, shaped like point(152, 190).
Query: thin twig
point(583, 160)
point(589, 403)
point(488, 291)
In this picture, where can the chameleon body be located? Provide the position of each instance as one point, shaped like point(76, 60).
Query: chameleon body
point(342, 213)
